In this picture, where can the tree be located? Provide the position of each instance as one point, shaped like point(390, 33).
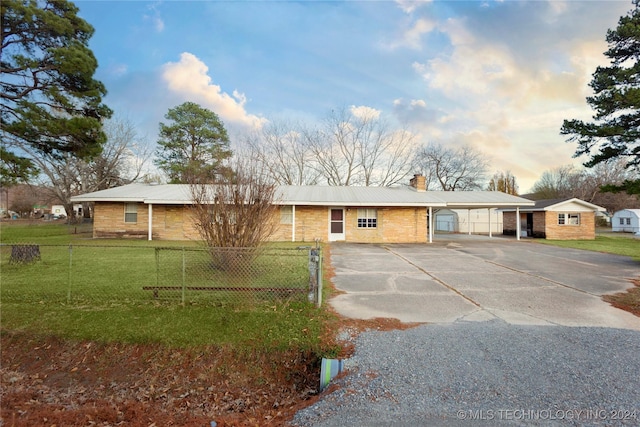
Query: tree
point(236, 215)
point(615, 129)
point(357, 147)
point(51, 103)
point(15, 169)
point(556, 183)
point(120, 162)
point(192, 149)
point(504, 182)
point(283, 154)
point(451, 169)
point(588, 184)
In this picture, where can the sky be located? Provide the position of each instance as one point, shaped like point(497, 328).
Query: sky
point(500, 76)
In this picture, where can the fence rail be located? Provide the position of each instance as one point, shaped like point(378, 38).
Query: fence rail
point(100, 274)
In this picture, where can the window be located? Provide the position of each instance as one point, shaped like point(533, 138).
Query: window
point(223, 216)
point(568, 219)
point(286, 215)
point(628, 221)
point(367, 218)
point(621, 221)
point(131, 212)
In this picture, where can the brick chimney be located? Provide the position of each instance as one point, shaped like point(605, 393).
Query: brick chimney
point(418, 182)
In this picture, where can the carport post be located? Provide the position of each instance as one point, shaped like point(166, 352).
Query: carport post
point(469, 221)
point(293, 223)
point(517, 222)
point(150, 221)
point(430, 224)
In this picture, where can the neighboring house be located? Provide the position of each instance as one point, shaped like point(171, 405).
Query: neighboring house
point(557, 219)
point(329, 213)
point(626, 220)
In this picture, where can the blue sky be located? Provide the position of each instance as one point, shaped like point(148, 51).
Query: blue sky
point(500, 76)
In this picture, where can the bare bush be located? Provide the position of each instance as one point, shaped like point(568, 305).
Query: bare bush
point(235, 215)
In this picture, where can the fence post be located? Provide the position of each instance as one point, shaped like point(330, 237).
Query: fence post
point(184, 274)
point(313, 275)
point(319, 279)
point(70, 275)
point(319, 276)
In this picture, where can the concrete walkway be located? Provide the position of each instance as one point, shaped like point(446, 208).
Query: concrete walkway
point(475, 278)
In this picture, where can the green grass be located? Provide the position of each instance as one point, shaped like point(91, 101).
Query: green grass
point(95, 293)
point(622, 245)
point(276, 327)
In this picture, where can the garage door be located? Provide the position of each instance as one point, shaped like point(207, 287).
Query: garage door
point(445, 222)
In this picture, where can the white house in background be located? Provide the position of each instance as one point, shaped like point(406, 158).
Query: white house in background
point(627, 221)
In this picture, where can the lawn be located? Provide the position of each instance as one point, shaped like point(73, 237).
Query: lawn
point(83, 343)
point(619, 245)
point(86, 292)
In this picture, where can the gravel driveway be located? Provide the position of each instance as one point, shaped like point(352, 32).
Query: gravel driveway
point(490, 362)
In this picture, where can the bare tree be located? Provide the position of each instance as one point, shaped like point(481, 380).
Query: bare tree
point(283, 153)
point(357, 147)
point(121, 161)
point(236, 215)
point(586, 184)
point(451, 169)
point(384, 153)
point(504, 182)
point(556, 183)
point(335, 149)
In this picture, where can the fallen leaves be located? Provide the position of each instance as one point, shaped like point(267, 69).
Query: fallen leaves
point(81, 383)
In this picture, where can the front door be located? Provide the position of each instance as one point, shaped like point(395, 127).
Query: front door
point(336, 224)
point(530, 224)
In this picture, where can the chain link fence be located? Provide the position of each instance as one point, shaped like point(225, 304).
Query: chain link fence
point(97, 275)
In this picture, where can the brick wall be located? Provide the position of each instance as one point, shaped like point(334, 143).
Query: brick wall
point(546, 224)
point(175, 222)
point(586, 230)
point(108, 221)
point(312, 222)
point(404, 225)
point(509, 223)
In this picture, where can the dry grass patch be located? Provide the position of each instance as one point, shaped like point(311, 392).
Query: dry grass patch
point(628, 301)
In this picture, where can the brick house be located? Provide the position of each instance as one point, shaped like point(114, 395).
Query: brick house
point(329, 213)
point(556, 219)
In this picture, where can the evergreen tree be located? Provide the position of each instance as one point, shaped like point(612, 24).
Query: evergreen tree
point(192, 149)
point(50, 102)
point(615, 129)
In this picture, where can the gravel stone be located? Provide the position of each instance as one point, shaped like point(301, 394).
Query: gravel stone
point(486, 373)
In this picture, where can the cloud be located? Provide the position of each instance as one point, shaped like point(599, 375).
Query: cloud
point(412, 37)
point(118, 70)
point(409, 6)
point(511, 73)
point(189, 78)
point(364, 112)
point(154, 17)
point(416, 113)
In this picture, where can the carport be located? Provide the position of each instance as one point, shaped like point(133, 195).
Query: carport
point(472, 200)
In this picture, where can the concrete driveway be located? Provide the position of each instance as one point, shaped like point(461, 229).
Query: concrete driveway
point(474, 278)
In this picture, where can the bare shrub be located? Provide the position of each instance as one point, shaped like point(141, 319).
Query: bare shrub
point(235, 215)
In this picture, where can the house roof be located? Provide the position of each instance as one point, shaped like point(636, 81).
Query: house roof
point(355, 196)
point(636, 212)
point(554, 204)
point(479, 199)
point(319, 196)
